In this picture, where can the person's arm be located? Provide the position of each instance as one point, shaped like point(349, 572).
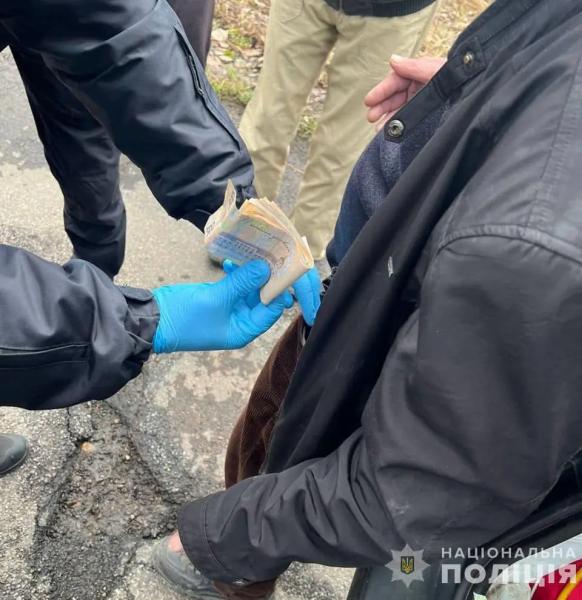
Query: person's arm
point(67, 334)
point(131, 65)
point(468, 428)
point(326, 511)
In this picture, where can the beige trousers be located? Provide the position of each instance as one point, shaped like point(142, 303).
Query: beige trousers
point(300, 36)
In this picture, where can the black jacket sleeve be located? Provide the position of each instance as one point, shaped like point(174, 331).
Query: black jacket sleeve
point(467, 429)
point(67, 334)
point(327, 511)
point(130, 63)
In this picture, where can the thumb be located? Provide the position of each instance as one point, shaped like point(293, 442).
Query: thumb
point(248, 278)
point(421, 70)
point(265, 316)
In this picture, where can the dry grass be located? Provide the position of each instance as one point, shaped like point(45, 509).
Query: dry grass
point(249, 17)
point(231, 86)
point(452, 17)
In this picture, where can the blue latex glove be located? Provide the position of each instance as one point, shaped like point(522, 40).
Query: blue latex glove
point(216, 316)
point(307, 290)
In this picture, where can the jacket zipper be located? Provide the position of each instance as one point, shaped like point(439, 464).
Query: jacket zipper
point(192, 67)
point(214, 111)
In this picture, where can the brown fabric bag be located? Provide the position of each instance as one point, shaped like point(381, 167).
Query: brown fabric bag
point(249, 441)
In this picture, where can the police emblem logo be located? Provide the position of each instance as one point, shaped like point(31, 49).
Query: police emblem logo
point(407, 564)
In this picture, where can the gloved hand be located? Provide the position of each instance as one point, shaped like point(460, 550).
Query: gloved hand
point(307, 290)
point(216, 316)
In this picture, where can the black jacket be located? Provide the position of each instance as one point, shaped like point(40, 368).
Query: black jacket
point(438, 395)
point(130, 63)
point(68, 334)
point(379, 8)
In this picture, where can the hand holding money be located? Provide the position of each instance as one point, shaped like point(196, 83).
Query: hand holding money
point(260, 229)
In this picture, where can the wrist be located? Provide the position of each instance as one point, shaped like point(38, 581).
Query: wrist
point(162, 340)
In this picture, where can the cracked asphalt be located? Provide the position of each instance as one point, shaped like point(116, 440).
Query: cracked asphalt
point(105, 480)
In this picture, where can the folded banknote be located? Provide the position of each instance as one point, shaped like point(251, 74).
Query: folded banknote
point(258, 229)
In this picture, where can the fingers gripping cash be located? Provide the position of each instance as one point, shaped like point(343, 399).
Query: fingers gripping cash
point(258, 230)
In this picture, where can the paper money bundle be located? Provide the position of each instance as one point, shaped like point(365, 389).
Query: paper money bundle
point(258, 229)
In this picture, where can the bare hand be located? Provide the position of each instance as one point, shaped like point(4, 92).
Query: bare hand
point(409, 75)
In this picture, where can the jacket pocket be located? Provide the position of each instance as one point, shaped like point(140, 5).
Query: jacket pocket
point(43, 379)
point(25, 358)
point(206, 94)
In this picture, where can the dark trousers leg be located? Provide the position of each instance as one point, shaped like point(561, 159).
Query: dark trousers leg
point(196, 17)
point(83, 160)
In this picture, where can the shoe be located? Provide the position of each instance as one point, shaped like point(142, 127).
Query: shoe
point(13, 452)
point(176, 568)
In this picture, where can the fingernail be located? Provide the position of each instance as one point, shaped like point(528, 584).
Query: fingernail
point(396, 58)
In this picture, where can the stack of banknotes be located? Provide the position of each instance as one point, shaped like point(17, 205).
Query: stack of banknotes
point(258, 229)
